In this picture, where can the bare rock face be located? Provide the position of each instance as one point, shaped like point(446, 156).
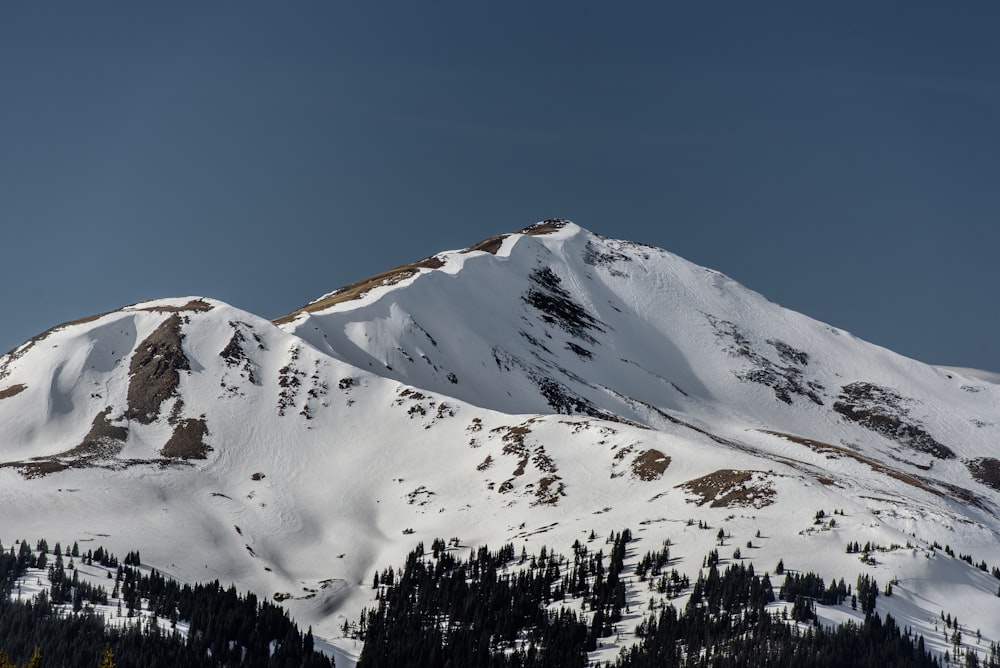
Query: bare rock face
point(154, 374)
point(103, 440)
point(13, 390)
point(885, 412)
point(187, 441)
point(650, 465)
point(986, 470)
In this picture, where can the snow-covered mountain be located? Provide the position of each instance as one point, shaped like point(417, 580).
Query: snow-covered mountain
point(533, 388)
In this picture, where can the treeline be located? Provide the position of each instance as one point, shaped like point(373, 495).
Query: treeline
point(726, 625)
point(695, 639)
point(493, 609)
point(223, 628)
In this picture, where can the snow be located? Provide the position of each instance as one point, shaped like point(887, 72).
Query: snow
point(393, 403)
point(115, 613)
point(979, 374)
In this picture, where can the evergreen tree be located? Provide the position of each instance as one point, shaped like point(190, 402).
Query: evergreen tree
point(108, 658)
point(36, 659)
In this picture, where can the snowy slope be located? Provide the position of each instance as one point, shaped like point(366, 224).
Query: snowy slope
point(979, 374)
point(533, 388)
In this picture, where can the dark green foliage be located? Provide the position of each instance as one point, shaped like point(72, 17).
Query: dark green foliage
point(752, 638)
point(11, 568)
point(812, 586)
point(867, 592)
point(444, 611)
point(495, 609)
point(732, 591)
point(725, 625)
point(485, 612)
point(224, 627)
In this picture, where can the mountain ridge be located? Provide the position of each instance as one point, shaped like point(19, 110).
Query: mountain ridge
point(535, 386)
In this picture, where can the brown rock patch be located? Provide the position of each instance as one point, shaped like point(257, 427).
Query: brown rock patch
point(9, 392)
point(544, 227)
point(986, 470)
point(885, 412)
point(40, 468)
point(188, 441)
point(836, 451)
point(650, 465)
point(361, 288)
point(549, 489)
point(154, 374)
point(103, 440)
point(491, 245)
point(195, 305)
point(728, 487)
point(393, 276)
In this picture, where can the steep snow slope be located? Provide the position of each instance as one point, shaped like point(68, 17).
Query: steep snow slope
point(565, 321)
point(979, 374)
point(533, 388)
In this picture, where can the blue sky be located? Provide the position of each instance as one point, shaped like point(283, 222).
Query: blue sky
point(841, 158)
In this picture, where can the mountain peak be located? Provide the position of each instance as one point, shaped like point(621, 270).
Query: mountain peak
point(554, 227)
point(551, 225)
point(533, 388)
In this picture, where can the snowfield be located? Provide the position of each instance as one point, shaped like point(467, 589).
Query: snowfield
point(533, 389)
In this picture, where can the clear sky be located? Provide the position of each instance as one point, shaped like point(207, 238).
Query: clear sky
point(842, 158)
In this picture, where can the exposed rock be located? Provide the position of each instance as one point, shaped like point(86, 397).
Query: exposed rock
point(104, 439)
point(606, 258)
point(650, 465)
point(557, 306)
point(195, 305)
point(9, 392)
point(187, 441)
point(235, 355)
point(785, 377)
point(884, 412)
point(986, 470)
point(154, 374)
point(727, 488)
point(361, 288)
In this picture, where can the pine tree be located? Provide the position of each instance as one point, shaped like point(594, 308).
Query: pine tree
point(308, 644)
point(36, 659)
point(108, 659)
